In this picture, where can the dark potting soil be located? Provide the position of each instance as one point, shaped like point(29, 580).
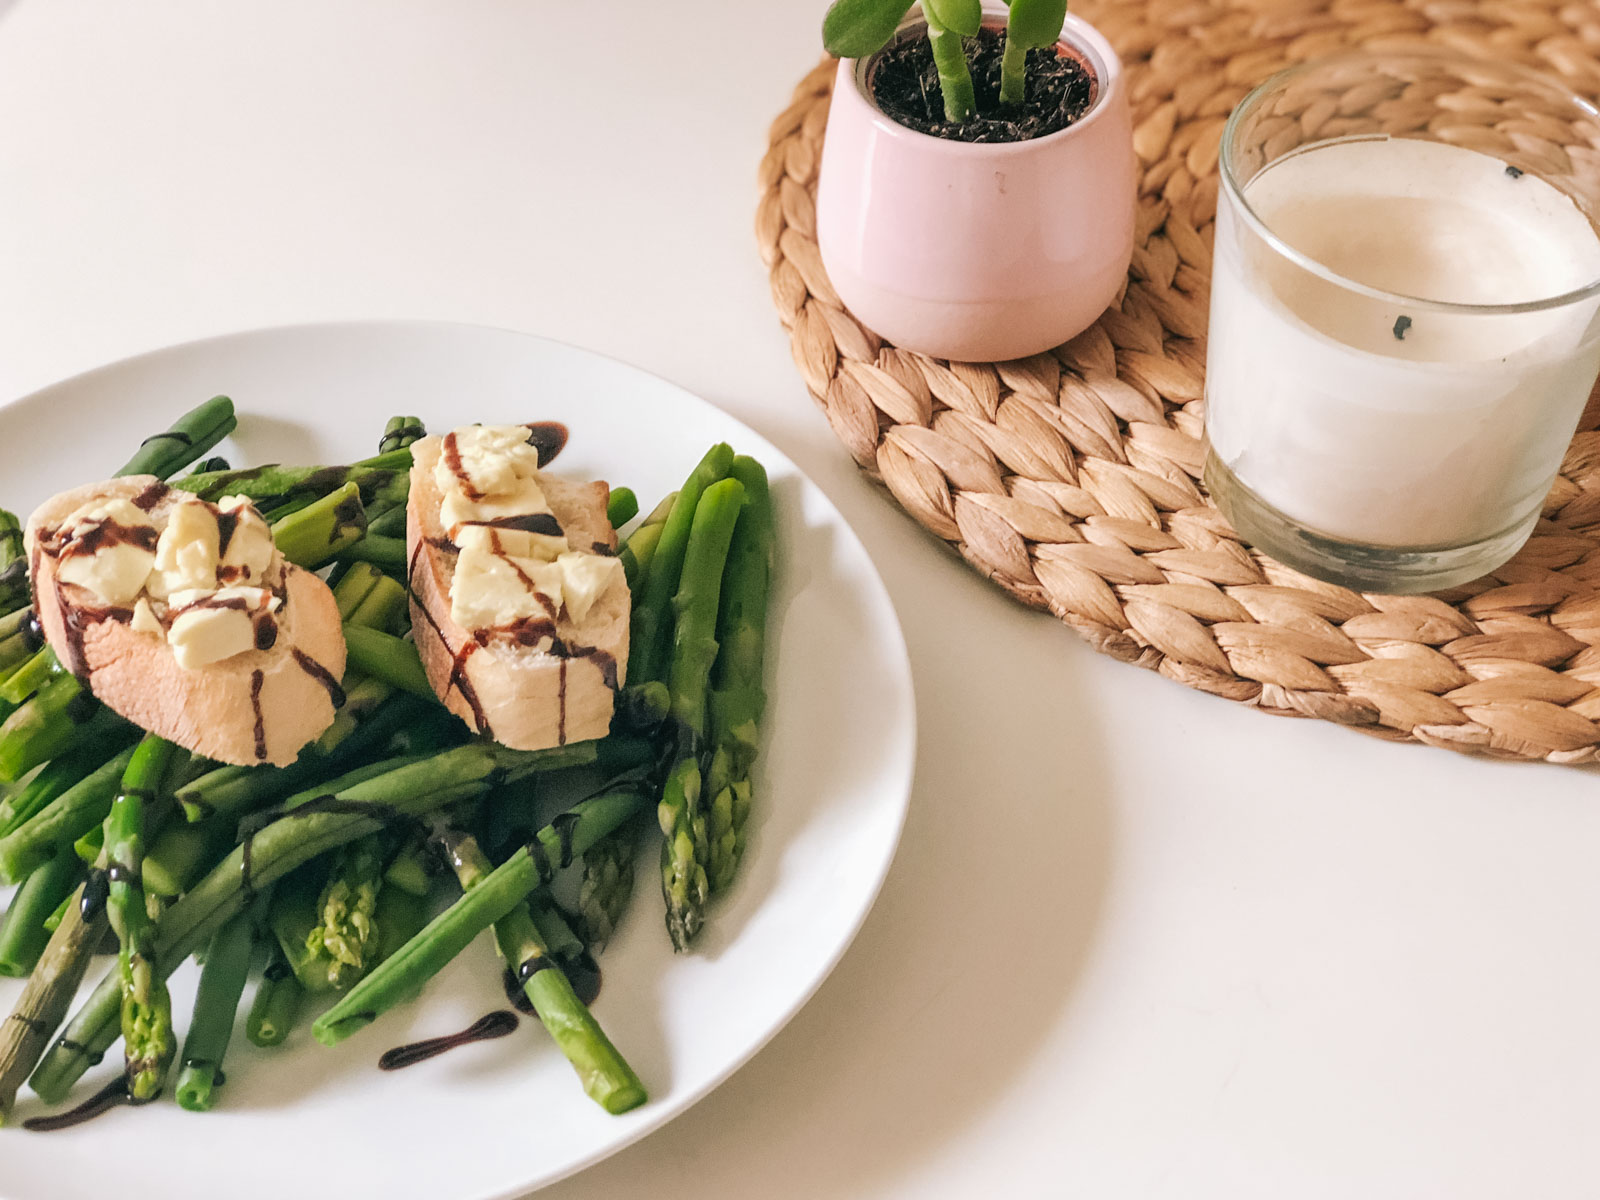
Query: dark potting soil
point(905, 83)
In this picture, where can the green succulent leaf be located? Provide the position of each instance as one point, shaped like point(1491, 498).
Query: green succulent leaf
point(857, 28)
point(1036, 23)
point(958, 16)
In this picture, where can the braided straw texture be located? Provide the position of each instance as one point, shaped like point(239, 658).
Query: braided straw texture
point(1072, 479)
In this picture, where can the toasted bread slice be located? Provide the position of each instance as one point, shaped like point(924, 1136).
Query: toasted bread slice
point(260, 706)
point(525, 697)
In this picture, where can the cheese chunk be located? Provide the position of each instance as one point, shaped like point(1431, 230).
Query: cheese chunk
point(186, 555)
point(144, 619)
point(118, 566)
point(492, 591)
point(583, 578)
point(209, 626)
point(248, 553)
point(492, 457)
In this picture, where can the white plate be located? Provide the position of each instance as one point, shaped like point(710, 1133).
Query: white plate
point(503, 1117)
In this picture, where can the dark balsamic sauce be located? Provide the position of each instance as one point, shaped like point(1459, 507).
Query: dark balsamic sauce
point(152, 495)
point(604, 659)
point(561, 719)
point(549, 438)
point(321, 674)
point(96, 891)
point(113, 1095)
point(583, 973)
point(541, 523)
point(227, 524)
point(452, 459)
point(257, 679)
point(497, 1024)
point(266, 633)
point(565, 826)
point(515, 996)
point(32, 633)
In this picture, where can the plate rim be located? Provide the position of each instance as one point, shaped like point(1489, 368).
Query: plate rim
point(903, 755)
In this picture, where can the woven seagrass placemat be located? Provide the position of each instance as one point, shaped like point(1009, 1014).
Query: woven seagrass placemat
point(1071, 479)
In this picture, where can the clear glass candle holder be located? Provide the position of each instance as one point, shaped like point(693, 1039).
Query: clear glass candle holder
point(1404, 325)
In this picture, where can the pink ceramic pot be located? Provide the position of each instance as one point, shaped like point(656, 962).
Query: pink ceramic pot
point(978, 252)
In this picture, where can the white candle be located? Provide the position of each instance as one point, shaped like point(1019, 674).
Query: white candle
point(1376, 421)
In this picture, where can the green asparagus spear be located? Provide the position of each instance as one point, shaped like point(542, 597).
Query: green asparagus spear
point(44, 727)
point(190, 437)
point(22, 932)
point(31, 676)
point(50, 832)
point(347, 928)
point(639, 550)
point(277, 1003)
point(606, 1076)
point(48, 995)
point(321, 531)
point(354, 587)
point(102, 739)
point(387, 553)
point(738, 695)
point(621, 507)
point(149, 1041)
point(13, 566)
point(387, 658)
point(216, 1005)
point(400, 432)
point(384, 609)
point(651, 632)
point(607, 886)
point(448, 933)
point(277, 487)
point(686, 850)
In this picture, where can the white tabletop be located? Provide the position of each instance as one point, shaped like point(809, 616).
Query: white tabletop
point(1138, 942)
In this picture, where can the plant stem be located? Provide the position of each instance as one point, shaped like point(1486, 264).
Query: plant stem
point(955, 78)
point(1013, 72)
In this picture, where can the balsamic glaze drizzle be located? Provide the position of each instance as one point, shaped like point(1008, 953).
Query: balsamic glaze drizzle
point(113, 1095)
point(496, 1024)
point(321, 674)
point(257, 679)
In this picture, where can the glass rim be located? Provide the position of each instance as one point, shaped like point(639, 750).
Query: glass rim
point(1307, 263)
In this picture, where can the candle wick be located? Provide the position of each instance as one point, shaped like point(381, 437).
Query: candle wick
point(1401, 324)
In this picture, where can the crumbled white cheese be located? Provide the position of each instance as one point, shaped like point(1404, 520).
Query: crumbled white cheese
point(494, 590)
point(250, 549)
point(493, 457)
point(583, 578)
point(186, 555)
point(116, 573)
point(202, 636)
point(211, 625)
point(502, 481)
point(144, 619)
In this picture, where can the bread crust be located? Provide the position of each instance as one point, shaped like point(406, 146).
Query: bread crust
point(524, 698)
point(213, 710)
